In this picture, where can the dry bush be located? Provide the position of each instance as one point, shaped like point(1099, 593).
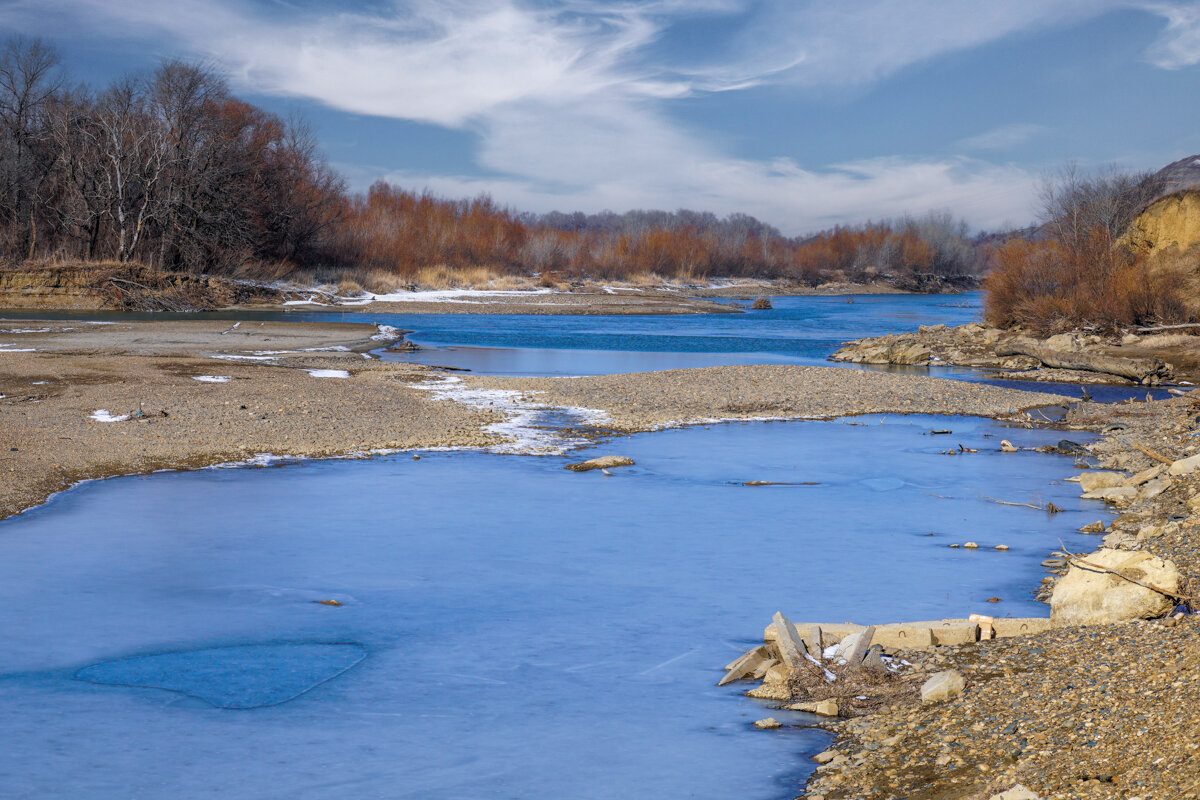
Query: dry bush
point(349, 288)
point(1049, 286)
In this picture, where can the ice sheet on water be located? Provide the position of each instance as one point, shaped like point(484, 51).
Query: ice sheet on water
point(236, 677)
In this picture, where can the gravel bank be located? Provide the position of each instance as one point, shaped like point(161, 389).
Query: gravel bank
point(650, 400)
point(49, 439)
point(1106, 711)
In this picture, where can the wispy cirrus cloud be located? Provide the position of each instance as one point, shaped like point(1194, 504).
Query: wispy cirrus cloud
point(1001, 138)
point(571, 100)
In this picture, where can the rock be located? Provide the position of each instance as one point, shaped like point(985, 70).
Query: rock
point(943, 686)
point(910, 354)
point(762, 304)
point(992, 335)
point(1008, 447)
point(1001, 547)
point(1130, 338)
point(1119, 540)
point(1087, 596)
point(1063, 341)
point(1193, 504)
point(1092, 481)
point(1154, 488)
point(825, 756)
point(849, 643)
point(769, 722)
point(971, 546)
point(873, 660)
point(1149, 532)
point(1185, 466)
point(1093, 527)
point(1146, 475)
point(1018, 792)
point(603, 462)
point(1116, 494)
point(826, 708)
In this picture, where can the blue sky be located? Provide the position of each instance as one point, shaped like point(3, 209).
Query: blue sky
point(804, 114)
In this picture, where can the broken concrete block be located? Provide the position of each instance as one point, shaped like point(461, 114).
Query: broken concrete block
point(855, 654)
point(945, 685)
point(1154, 488)
point(792, 649)
point(746, 665)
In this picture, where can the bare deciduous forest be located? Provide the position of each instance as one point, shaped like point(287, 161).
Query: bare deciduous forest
point(171, 171)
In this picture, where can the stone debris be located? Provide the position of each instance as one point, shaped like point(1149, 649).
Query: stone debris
point(603, 462)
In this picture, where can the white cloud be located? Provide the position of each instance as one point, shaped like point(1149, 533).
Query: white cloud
point(569, 100)
point(1179, 45)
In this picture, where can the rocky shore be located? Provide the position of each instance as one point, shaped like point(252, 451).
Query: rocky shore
point(1150, 358)
point(1101, 710)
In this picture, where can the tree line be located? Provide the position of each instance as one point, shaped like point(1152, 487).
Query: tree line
point(170, 170)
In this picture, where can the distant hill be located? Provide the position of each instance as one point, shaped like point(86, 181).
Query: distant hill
point(1179, 175)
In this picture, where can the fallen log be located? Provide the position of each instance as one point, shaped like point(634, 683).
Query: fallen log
point(1147, 371)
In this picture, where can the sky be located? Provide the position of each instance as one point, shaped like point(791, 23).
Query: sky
point(805, 114)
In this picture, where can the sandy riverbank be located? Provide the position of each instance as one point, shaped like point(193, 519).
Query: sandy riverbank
point(56, 376)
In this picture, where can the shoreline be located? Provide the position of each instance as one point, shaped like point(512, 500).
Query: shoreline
point(1076, 711)
point(306, 390)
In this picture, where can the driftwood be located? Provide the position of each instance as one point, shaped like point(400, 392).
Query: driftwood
point(1142, 370)
point(1153, 328)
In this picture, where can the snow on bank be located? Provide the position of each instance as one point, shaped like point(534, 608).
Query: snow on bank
point(328, 373)
point(386, 333)
point(522, 423)
point(319, 297)
point(102, 415)
point(211, 378)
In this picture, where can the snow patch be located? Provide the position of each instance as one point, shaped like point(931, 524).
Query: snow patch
point(232, 357)
point(102, 415)
point(386, 333)
point(328, 373)
point(29, 330)
point(211, 378)
point(521, 428)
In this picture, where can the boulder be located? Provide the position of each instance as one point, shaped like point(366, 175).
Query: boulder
point(762, 304)
point(1116, 494)
point(1018, 792)
point(1090, 596)
point(769, 722)
point(910, 354)
point(1091, 481)
point(1185, 466)
point(1154, 488)
point(603, 462)
point(943, 686)
point(1063, 341)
